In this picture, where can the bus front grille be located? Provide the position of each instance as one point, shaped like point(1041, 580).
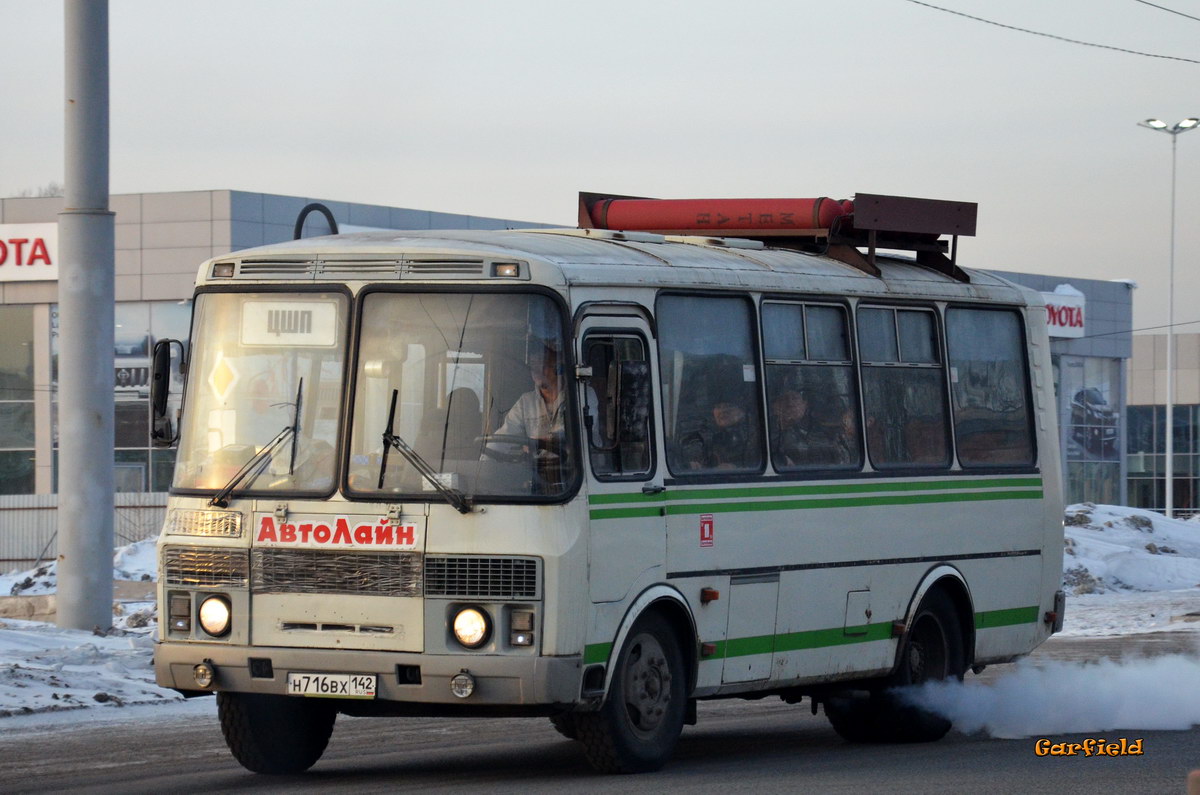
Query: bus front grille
point(201, 566)
point(318, 571)
point(477, 577)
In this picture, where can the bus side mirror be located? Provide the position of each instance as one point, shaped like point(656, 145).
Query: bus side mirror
point(162, 431)
point(633, 402)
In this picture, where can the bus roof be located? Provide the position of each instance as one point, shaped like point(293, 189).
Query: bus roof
point(564, 258)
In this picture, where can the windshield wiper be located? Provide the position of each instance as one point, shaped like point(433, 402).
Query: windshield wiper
point(453, 496)
point(263, 456)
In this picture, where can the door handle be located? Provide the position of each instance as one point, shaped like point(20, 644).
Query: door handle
point(653, 488)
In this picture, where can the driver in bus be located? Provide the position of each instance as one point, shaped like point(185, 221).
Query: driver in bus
point(538, 414)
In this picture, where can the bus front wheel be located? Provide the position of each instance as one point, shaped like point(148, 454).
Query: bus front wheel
point(932, 650)
point(275, 734)
point(637, 728)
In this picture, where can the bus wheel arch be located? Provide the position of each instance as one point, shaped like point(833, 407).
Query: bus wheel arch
point(949, 580)
point(668, 603)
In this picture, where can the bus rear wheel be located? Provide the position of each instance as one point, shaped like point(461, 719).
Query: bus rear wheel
point(275, 734)
point(637, 728)
point(932, 650)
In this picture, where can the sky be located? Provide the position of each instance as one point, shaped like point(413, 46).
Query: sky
point(509, 109)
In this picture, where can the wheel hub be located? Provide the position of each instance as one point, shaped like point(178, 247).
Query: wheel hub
point(648, 684)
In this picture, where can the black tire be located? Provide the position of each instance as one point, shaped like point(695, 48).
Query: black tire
point(932, 650)
point(564, 724)
point(275, 734)
point(636, 729)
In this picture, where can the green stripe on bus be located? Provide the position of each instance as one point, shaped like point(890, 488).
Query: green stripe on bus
point(810, 639)
point(828, 502)
point(625, 513)
point(596, 653)
point(633, 496)
point(1006, 618)
point(824, 638)
point(851, 502)
point(825, 489)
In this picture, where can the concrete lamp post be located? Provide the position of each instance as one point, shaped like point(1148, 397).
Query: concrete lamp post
point(1173, 131)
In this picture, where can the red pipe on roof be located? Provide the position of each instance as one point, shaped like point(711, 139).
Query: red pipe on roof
point(715, 215)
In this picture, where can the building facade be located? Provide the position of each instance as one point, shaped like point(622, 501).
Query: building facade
point(161, 239)
point(1147, 439)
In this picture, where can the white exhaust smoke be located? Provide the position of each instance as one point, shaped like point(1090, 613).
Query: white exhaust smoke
point(1038, 699)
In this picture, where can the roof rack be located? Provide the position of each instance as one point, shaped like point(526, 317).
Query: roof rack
point(838, 229)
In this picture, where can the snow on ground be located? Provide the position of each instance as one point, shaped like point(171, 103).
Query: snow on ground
point(136, 562)
point(1125, 571)
point(44, 669)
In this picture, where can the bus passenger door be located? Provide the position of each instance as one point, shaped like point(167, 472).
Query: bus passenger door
point(627, 538)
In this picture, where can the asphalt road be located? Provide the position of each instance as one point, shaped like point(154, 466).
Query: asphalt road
point(737, 746)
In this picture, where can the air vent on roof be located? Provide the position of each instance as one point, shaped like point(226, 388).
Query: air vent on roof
point(360, 268)
point(276, 267)
point(444, 266)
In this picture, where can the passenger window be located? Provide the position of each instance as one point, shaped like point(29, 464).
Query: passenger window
point(988, 380)
point(710, 389)
point(616, 407)
point(904, 392)
point(877, 335)
point(812, 399)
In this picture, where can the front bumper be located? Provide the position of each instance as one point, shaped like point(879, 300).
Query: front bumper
point(501, 681)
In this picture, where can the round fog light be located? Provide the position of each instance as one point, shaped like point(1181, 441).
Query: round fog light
point(215, 615)
point(472, 627)
point(203, 674)
point(462, 685)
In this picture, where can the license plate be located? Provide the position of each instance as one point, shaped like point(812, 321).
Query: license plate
point(331, 685)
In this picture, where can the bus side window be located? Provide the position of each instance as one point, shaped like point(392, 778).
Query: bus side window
point(903, 388)
point(710, 385)
point(990, 387)
point(617, 406)
point(811, 393)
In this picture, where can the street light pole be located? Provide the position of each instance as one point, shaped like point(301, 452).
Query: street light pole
point(1173, 131)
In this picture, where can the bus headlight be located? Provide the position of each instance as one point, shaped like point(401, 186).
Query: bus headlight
point(215, 615)
point(472, 627)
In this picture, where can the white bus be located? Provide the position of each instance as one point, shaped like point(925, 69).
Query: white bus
point(598, 475)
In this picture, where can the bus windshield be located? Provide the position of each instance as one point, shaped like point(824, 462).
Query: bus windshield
point(474, 385)
point(263, 393)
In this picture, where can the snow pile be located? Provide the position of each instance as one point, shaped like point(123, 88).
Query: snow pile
point(1127, 570)
point(132, 562)
point(1109, 548)
point(44, 669)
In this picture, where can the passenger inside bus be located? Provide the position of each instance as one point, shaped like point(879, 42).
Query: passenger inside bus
point(727, 441)
point(802, 437)
point(793, 431)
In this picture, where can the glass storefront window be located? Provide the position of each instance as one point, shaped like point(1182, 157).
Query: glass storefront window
point(16, 400)
point(137, 327)
point(1146, 457)
point(1090, 395)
